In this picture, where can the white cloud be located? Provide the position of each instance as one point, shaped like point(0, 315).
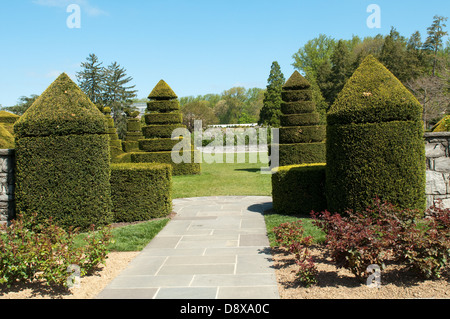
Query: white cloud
point(84, 4)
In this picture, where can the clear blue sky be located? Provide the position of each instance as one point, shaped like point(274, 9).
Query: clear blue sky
point(196, 46)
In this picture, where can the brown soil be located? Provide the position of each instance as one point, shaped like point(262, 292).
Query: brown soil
point(334, 283)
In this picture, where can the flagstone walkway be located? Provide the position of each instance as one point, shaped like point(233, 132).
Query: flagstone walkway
point(215, 248)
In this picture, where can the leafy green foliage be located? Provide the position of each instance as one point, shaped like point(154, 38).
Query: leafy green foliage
point(299, 189)
point(373, 94)
point(73, 187)
point(290, 236)
point(300, 129)
point(383, 232)
point(39, 249)
point(62, 109)
point(270, 112)
point(141, 191)
point(375, 143)
point(62, 159)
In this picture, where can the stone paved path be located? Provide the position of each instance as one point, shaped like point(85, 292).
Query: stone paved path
point(215, 248)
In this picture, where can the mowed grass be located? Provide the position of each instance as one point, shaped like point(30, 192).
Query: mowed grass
point(226, 179)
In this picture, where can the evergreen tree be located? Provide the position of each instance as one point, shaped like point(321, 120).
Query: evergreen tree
point(340, 71)
point(393, 55)
point(117, 94)
point(434, 41)
point(270, 112)
point(91, 79)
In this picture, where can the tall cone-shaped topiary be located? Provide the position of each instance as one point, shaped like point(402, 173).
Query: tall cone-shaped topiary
point(301, 136)
point(163, 116)
point(375, 145)
point(115, 144)
point(134, 132)
point(62, 158)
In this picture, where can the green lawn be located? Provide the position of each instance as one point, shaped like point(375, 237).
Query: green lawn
point(224, 179)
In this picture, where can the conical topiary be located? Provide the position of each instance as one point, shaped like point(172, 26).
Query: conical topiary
point(7, 121)
point(301, 136)
point(162, 118)
point(133, 133)
point(115, 144)
point(62, 158)
point(375, 144)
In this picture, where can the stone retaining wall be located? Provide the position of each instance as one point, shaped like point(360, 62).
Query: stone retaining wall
point(7, 170)
point(438, 167)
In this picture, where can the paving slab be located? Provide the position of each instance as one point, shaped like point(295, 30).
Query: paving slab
point(214, 248)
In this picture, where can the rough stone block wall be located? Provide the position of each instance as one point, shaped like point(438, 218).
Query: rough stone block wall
point(438, 168)
point(7, 171)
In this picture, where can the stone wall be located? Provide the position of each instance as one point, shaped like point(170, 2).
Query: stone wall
point(7, 169)
point(438, 168)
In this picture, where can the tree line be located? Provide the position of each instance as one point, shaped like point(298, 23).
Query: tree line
point(421, 64)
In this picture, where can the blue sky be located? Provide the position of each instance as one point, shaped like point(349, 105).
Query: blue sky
point(196, 46)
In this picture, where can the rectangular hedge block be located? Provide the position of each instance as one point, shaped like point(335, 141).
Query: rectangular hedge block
point(296, 95)
point(298, 107)
point(133, 125)
point(65, 177)
point(160, 131)
point(141, 192)
point(299, 119)
point(163, 106)
point(160, 144)
point(163, 118)
point(302, 153)
point(166, 157)
point(302, 134)
point(299, 189)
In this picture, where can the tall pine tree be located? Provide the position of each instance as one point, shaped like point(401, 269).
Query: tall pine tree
point(270, 112)
point(434, 40)
point(91, 79)
point(117, 94)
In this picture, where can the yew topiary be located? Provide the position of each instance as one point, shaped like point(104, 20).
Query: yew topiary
point(62, 159)
point(163, 116)
point(301, 136)
point(375, 144)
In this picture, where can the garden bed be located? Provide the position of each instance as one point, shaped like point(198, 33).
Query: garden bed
point(334, 283)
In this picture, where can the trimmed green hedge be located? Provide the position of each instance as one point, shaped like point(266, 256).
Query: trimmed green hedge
point(163, 106)
point(301, 138)
point(299, 119)
point(8, 118)
point(298, 107)
point(375, 145)
point(63, 159)
point(162, 91)
point(307, 153)
point(62, 109)
point(294, 96)
point(299, 189)
point(141, 192)
point(296, 82)
point(376, 159)
point(158, 144)
point(64, 177)
point(166, 157)
point(302, 134)
point(160, 131)
point(163, 118)
point(373, 94)
point(133, 125)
